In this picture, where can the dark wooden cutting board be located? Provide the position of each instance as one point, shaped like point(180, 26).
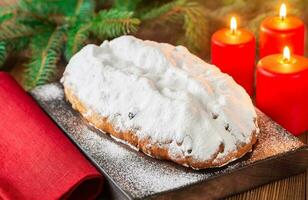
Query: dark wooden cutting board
point(133, 175)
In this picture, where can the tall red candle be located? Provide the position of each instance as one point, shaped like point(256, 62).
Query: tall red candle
point(282, 90)
point(233, 51)
point(279, 31)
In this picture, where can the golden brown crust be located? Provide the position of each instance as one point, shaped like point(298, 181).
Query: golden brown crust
point(156, 150)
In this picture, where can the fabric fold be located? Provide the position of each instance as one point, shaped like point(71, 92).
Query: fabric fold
point(37, 161)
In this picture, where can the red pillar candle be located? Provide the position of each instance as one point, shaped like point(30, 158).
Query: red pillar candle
point(282, 90)
point(279, 31)
point(233, 51)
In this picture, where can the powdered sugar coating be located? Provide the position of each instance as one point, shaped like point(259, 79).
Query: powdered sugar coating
point(166, 92)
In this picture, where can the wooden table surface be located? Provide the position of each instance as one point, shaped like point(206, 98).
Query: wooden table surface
point(294, 187)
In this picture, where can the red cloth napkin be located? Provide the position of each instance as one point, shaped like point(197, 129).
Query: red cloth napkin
point(37, 161)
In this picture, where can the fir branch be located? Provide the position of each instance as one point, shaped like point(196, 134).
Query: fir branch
point(7, 47)
point(126, 5)
point(6, 13)
point(254, 24)
point(78, 31)
point(113, 23)
point(76, 38)
point(18, 44)
point(233, 6)
point(48, 8)
point(32, 22)
point(194, 20)
point(44, 8)
point(3, 53)
point(84, 8)
point(46, 50)
point(162, 12)
point(195, 26)
point(35, 7)
point(12, 30)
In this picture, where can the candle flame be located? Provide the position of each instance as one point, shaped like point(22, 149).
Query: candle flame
point(286, 54)
point(283, 11)
point(233, 24)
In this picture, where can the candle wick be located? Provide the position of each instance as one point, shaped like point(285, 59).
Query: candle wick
point(286, 60)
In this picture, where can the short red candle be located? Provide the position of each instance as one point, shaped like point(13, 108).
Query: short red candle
point(279, 31)
point(233, 51)
point(282, 90)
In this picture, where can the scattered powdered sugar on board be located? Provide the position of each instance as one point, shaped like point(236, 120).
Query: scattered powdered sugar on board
point(271, 139)
point(139, 175)
point(130, 169)
point(48, 92)
point(135, 171)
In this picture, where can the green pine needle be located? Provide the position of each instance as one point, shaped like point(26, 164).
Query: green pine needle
point(10, 46)
point(46, 50)
point(113, 23)
point(84, 8)
point(18, 45)
point(162, 12)
point(194, 25)
point(76, 38)
point(12, 30)
point(126, 5)
point(78, 31)
point(194, 20)
point(45, 8)
point(3, 53)
point(6, 13)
